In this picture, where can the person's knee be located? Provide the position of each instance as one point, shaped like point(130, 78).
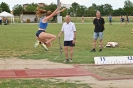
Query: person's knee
point(71, 48)
point(100, 40)
point(94, 41)
point(65, 48)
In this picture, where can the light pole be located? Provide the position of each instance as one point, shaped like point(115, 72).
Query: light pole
point(59, 18)
point(58, 2)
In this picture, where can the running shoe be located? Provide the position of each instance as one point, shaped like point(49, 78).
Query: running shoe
point(93, 50)
point(67, 60)
point(36, 43)
point(44, 46)
point(70, 60)
point(100, 50)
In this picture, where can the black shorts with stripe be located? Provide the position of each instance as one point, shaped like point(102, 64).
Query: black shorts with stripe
point(68, 43)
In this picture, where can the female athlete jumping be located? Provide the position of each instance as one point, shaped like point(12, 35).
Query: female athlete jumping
point(44, 38)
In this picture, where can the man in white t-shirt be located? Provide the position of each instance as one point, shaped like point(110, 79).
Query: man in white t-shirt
point(69, 30)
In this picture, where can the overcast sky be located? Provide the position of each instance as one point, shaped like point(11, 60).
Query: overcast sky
point(115, 3)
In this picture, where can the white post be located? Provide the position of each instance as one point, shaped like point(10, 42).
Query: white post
point(58, 2)
point(59, 18)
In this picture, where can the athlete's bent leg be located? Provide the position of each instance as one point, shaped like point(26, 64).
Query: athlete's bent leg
point(47, 36)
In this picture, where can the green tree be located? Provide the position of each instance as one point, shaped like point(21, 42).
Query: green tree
point(0, 9)
point(94, 6)
point(105, 9)
point(50, 7)
point(81, 11)
point(108, 9)
point(119, 12)
point(101, 9)
point(5, 7)
point(75, 8)
point(63, 13)
point(17, 9)
point(71, 11)
point(31, 7)
point(91, 11)
point(128, 7)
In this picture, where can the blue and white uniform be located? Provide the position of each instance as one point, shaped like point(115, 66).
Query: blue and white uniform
point(42, 27)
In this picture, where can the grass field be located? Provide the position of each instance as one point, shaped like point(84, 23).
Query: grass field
point(18, 41)
point(39, 83)
point(87, 19)
point(90, 19)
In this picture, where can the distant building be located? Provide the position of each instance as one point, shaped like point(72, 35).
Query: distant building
point(24, 6)
point(28, 17)
point(41, 4)
point(67, 5)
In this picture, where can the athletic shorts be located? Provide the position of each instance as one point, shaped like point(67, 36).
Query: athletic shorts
point(38, 32)
point(98, 34)
point(110, 21)
point(122, 20)
point(68, 43)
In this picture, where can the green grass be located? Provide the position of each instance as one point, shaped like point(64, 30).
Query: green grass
point(38, 83)
point(18, 41)
point(87, 19)
point(90, 19)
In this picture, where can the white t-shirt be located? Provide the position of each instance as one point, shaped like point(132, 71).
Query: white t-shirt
point(0, 18)
point(68, 30)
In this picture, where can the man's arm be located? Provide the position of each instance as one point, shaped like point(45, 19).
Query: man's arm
point(54, 13)
point(60, 34)
point(74, 39)
point(74, 30)
point(62, 31)
point(74, 35)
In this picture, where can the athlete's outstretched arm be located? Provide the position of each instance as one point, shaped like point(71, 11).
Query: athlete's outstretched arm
point(54, 13)
point(60, 11)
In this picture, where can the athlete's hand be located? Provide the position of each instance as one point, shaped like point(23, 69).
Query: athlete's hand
point(63, 9)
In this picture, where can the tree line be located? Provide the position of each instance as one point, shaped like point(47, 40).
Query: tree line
point(75, 10)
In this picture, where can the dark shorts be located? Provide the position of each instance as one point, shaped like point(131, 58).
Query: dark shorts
point(38, 32)
point(110, 21)
point(68, 43)
point(0, 21)
point(122, 20)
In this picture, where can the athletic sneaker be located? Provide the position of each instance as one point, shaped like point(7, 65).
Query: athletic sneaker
point(100, 50)
point(70, 60)
point(67, 60)
point(44, 46)
point(36, 43)
point(93, 50)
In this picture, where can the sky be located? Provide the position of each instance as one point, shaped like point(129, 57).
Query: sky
point(115, 3)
